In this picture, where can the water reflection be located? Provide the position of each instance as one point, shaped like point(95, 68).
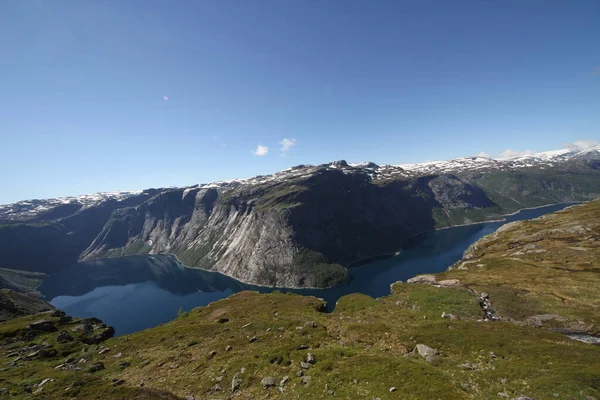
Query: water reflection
point(138, 292)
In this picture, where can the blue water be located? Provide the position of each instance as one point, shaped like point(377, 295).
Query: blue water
point(139, 292)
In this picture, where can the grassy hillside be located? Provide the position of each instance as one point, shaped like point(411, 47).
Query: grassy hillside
point(367, 348)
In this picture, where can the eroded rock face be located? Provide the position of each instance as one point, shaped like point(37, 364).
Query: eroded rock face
point(295, 228)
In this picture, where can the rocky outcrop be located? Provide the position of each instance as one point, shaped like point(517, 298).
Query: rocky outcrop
point(297, 228)
point(14, 304)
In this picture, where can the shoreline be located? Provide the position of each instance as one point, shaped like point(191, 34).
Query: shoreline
point(354, 264)
point(383, 256)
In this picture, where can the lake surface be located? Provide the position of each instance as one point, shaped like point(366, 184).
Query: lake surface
point(139, 292)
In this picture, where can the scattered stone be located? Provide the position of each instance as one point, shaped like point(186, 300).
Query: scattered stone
point(484, 295)
point(118, 355)
point(105, 334)
point(64, 337)
point(43, 325)
point(247, 325)
point(83, 328)
point(284, 380)
point(468, 366)
point(302, 347)
point(235, 383)
point(299, 374)
point(253, 339)
point(304, 365)
point(424, 350)
point(42, 383)
point(216, 388)
point(392, 389)
point(124, 364)
point(310, 324)
point(228, 348)
point(212, 354)
point(268, 382)
point(104, 351)
point(96, 367)
point(310, 358)
point(503, 394)
point(306, 379)
point(428, 279)
point(268, 329)
point(448, 315)
point(523, 398)
point(449, 283)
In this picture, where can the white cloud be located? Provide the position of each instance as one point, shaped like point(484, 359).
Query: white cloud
point(483, 154)
point(261, 150)
point(287, 144)
point(581, 144)
point(513, 153)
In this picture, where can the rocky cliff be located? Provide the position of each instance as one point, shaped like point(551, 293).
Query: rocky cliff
point(295, 228)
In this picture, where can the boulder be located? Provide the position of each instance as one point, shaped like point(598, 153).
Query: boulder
point(310, 358)
point(235, 383)
point(428, 279)
point(424, 350)
point(43, 325)
point(268, 382)
point(304, 365)
point(96, 367)
point(64, 337)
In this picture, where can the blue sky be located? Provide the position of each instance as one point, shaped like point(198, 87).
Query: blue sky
point(82, 86)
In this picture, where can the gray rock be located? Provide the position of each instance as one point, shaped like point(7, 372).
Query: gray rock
point(424, 350)
point(228, 348)
point(302, 347)
point(304, 365)
point(268, 382)
point(64, 337)
point(96, 367)
point(253, 339)
point(284, 380)
point(43, 325)
point(104, 351)
point(310, 324)
point(392, 389)
point(306, 379)
point(235, 383)
point(310, 358)
point(299, 374)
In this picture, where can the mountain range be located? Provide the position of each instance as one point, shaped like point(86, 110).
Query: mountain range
point(301, 227)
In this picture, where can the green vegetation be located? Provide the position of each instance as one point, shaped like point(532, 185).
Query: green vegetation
point(323, 273)
point(279, 196)
point(20, 280)
point(365, 347)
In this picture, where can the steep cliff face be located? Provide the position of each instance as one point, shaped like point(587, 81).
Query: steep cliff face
point(295, 228)
point(44, 246)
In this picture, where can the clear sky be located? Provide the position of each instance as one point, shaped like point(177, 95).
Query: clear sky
point(109, 95)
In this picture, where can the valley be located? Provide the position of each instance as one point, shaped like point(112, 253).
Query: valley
point(494, 325)
point(298, 228)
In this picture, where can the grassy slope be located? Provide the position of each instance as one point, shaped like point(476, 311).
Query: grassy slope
point(363, 348)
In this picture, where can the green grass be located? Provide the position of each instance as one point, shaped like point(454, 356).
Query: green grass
point(365, 346)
